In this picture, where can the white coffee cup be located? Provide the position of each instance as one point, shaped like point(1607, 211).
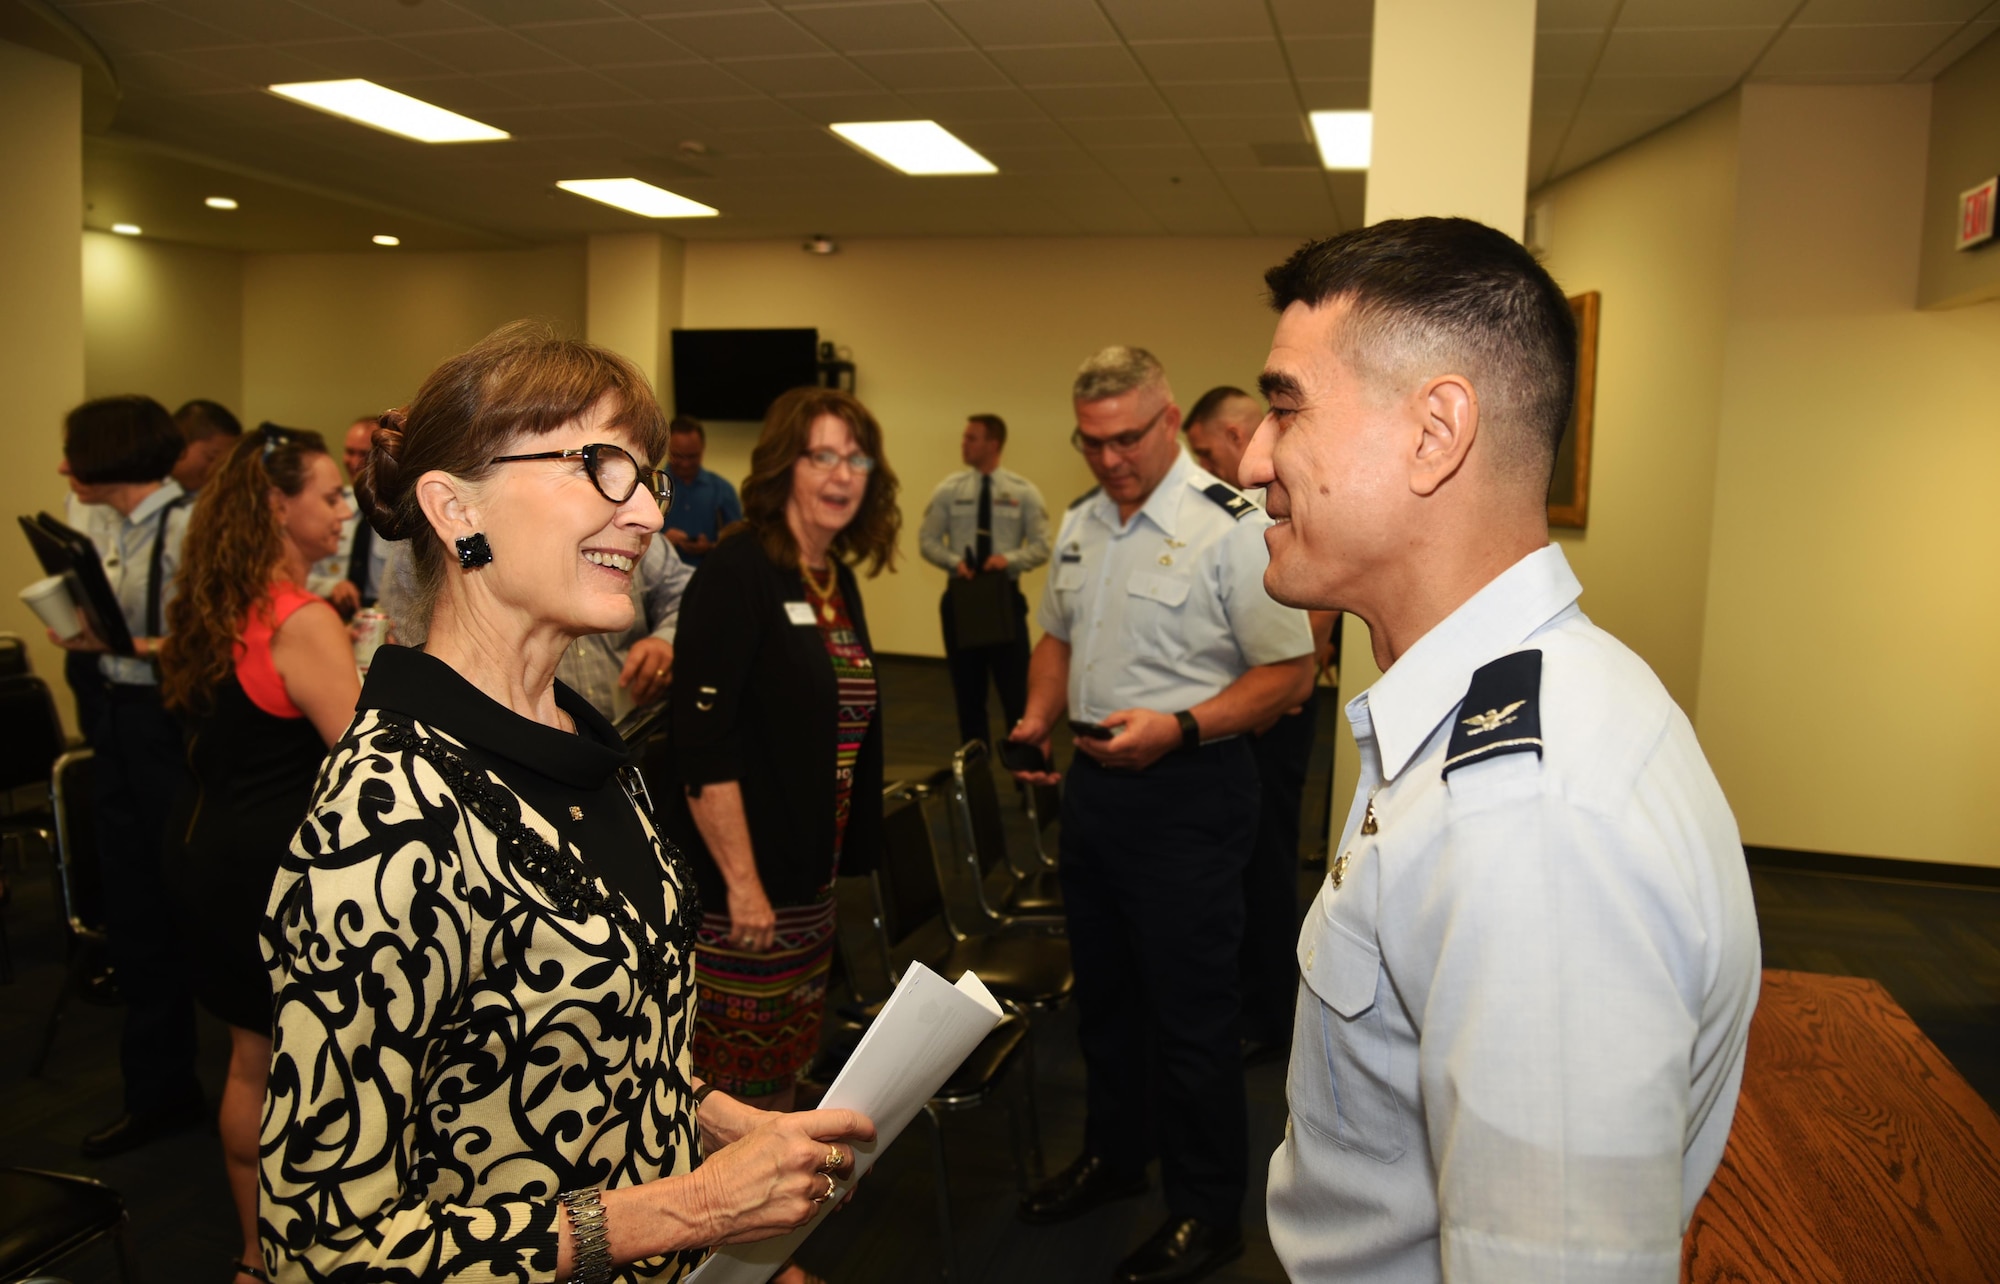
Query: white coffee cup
point(50, 599)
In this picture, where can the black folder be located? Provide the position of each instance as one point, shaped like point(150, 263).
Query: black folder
point(69, 553)
point(982, 610)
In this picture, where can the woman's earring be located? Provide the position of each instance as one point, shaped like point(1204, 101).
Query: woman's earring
point(473, 550)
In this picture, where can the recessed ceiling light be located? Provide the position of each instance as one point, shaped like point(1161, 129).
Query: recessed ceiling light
point(366, 103)
point(1345, 138)
point(915, 146)
point(638, 198)
point(125, 229)
point(386, 240)
point(220, 202)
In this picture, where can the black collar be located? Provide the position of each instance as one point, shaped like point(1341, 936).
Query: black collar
point(405, 680)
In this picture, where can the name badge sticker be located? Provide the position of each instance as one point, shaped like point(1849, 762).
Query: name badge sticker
point(799, 612)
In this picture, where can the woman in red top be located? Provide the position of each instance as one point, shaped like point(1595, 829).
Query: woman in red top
point(263, 674)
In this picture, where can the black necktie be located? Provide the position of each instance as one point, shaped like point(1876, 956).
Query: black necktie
point(984, 547)
point(357, 560)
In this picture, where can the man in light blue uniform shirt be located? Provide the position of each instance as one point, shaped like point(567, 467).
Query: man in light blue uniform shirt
point(1158, 629)
point(704, 502)
point(1529, 975)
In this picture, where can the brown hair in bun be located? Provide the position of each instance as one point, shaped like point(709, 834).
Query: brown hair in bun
point(523, 380)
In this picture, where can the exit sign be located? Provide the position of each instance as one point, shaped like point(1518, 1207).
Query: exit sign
point(1975, 214)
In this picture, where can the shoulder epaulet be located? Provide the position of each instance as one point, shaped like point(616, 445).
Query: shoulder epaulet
point(1085, 498)
point(1501, 712)
point(1232, 501)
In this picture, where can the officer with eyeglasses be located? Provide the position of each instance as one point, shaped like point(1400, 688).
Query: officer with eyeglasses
point(1163, 649)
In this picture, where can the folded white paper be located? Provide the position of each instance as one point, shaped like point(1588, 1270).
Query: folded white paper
point(924, 1032)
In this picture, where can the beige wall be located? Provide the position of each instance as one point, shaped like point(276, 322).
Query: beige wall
point(1848, 693)
point(1964, 150)
point(41, 324)
point(945, 328)
point(161, 319)
point(330, 336)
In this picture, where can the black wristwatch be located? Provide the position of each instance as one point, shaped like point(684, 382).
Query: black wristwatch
point(1190, 729)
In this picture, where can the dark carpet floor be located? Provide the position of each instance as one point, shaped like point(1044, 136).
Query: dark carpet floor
point(1937, 950)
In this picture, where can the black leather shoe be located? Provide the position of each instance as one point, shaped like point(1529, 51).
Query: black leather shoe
point(128, 1132)
point(1182, 1249)
point(1077, 1189)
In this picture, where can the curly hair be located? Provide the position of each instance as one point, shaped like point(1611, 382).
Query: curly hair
point(233, 547)
point(871, 536)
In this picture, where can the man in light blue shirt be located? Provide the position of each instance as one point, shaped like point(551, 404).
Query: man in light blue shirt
point(1162, 644)
point(704, 502)
point(1529, 974)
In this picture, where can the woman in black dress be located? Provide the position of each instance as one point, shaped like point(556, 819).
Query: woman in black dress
point(263, 675)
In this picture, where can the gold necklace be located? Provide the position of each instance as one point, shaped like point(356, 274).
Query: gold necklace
point(824, 592)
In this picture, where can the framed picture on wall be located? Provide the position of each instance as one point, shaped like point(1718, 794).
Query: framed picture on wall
point(1569, 488)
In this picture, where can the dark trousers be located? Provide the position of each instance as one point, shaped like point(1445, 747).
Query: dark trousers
point(1152, 879)
point(140, 762)
point(86, 683)
point(971, 667)
point(1271, 879)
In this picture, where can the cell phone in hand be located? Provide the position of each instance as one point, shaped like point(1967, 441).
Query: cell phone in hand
point(1091, 730)
point(1019, 755)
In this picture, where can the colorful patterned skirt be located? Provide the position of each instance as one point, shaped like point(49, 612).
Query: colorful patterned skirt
point(757, 1015)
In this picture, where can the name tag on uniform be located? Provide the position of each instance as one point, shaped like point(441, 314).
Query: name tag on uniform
point(799, 612)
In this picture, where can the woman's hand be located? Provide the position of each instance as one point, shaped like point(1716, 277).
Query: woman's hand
point(724, 1120)
point(753, 924)
point(85, 641)
point(775, 1177)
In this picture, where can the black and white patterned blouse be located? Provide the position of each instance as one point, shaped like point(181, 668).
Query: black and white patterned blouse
point(479, 953)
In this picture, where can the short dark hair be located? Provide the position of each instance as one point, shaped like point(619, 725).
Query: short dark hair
point(201, 419)
point(682, 423)
point(995, 426)
point(121, 439)
point(1450, 292)
point(1211, 401)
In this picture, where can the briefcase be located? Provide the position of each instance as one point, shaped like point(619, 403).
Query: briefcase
point(982, 610)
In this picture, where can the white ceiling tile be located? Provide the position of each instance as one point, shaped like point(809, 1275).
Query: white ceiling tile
point(1105, 100)
point(1845, 12)
point(1669, 14)
point(165, 73)
point(1716, 51)
point(1544, 138)
point(1557, 95)
point(1663, 96)
point(477, 52)
point(743, 113)
point(679, 82)
point(1208, 61)
point(267, 21)
point(1283, 202)
point(881, 27)
point(1067, 159)
point(935, 69)
point(751, 34)
point(1885, 52)
point(393, 19)
point(469, 95)
point(369, 57)
point(825, 109)
point(1069, 65)
point(630, 120)
point(1325, 17)
point(561, 88)
point(1574, 15)
point(1334, 95)
point(1970, 37)
point(147, 28)
point(1289, 127)
point(948, 105)
point(1015, 134)
point(256, 65)
point(1224, 157)
point(668, 8)
point(810, 74)
point(512, 13)
point(1566, 53)
point(1187, 19)
point(1599, 134)
point(1029, 22)
point(1254, 98)
point(609, 44)
point(1329, 57)
point(1125, 131)
point(1181, 159)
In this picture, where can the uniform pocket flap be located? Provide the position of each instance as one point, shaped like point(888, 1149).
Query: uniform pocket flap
point(1167, 590)
point(1341, 968)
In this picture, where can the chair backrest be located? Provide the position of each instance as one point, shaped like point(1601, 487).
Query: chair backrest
point(907, 895)
point(976, 802)
point(34, 735)
point(77, 866)
point(1043, 803)
point(13, 656)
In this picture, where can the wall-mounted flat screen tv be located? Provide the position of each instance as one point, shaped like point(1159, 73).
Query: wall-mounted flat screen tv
point(737, 374)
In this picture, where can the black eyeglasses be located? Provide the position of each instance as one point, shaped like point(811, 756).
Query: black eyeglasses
point(1123, 442)
point(612, 470)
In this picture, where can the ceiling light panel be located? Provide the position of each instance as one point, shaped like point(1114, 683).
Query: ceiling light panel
point(383, 238)
point(1345, 138)
point(220, 202)
point(126, 229)
point(636, 197)
point(366, 103)
point(921, 147)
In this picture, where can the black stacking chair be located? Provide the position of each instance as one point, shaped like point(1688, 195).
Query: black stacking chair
point(45, 1217)
point(33, 738)
point(78, 878)
point(1043, 804)
point(14, 661)
point(1030, 898)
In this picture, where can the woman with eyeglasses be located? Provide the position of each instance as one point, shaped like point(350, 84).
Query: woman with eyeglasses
point(777, 738)
point(261, 674)
point(481, 950)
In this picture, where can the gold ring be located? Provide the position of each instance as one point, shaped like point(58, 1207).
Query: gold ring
point(831, 1186)
point(659, 673)
point(834, 1159)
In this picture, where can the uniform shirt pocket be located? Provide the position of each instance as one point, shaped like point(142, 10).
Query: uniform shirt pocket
point(1342, 1083)
point(1068, 577)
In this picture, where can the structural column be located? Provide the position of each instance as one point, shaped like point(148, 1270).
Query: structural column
point(1450, 85)
point(633, 301)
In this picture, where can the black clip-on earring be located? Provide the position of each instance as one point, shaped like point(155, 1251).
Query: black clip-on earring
point(473, 551)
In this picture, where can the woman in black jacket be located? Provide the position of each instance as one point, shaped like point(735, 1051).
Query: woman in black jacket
point(777, 737)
